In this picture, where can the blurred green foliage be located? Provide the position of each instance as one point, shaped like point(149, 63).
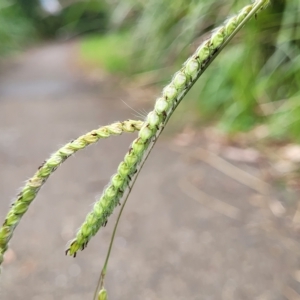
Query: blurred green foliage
point(109, 52)
point(15, 29)
point(68, 18)
point(255, 80)
point(24, 21)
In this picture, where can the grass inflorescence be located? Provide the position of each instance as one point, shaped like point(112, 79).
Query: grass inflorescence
point(154, 124)
point(33, 185)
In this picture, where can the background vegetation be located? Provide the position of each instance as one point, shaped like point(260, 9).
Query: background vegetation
point(251, 83)
point(23, 22)
point(15, 29)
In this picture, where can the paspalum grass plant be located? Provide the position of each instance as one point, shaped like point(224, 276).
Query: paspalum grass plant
point(149, 130)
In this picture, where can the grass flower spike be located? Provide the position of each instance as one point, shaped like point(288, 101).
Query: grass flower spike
point(154, 124)
point(33, 185)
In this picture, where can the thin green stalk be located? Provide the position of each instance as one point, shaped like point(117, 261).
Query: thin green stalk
point(34, 184)
point(155, 122)
point(100, 284)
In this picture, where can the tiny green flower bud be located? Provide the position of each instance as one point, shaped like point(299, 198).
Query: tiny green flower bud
point(20, 207)
point(203, 52)
point(12, 219)
point(145, 133)
point(179, 80)
point(103, 295)
point(54, 161)
point(66, 151)
point(115, 128)
point(77, 144)
point(117, 181)
point(161, 105)
point(123, 169)
point(45, 171)
point(217, 38)
point(153, 119)
point(28, 194)
point(130, 159)
point(102, 132)
point(86, 230)
point(138, 146)
point(98, 208)
point(35, 182)
point(243, 13)
point(5, 232)
point(191, 68)
point(91, 137)
point(110, 192)
point(74, 246)
point(231, 25)
point(170, 92)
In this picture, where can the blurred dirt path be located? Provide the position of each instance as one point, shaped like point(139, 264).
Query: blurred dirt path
point(191, 229)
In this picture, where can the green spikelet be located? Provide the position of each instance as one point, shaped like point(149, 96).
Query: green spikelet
point(102, 295)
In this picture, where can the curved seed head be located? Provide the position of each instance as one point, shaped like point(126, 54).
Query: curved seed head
point(179, 80)
point(191, 68)
point(161, 105)
point(170, 92)
point(102, 295)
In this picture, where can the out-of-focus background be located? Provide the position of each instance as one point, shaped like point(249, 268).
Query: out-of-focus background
point(215, 212)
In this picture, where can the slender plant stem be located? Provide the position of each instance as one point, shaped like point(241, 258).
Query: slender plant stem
point(34, 184)
point(100, 284)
